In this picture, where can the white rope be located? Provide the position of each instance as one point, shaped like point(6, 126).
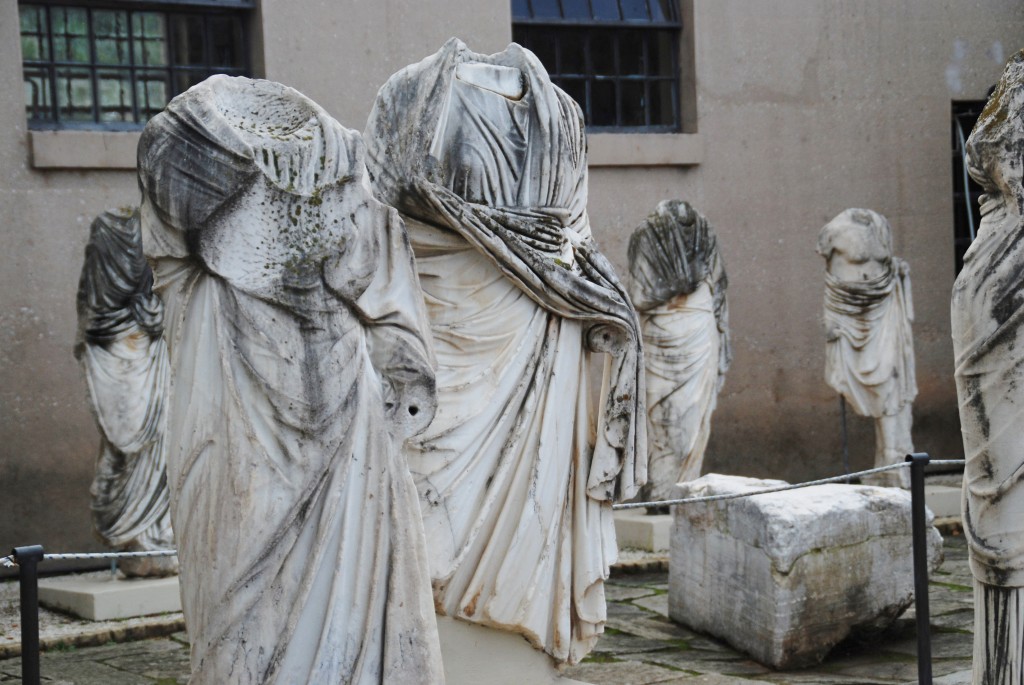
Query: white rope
point(781, 488)
point(11, 561)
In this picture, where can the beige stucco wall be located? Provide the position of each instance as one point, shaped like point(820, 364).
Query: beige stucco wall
point(808, 108)
point(804, 108)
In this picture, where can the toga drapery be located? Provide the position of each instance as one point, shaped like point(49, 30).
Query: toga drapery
point(678, 283)
point(486, 160)
point(988, 343)
point(869, 357)
point(298, 352)
point(123, 353)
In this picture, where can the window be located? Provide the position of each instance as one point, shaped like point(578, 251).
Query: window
point(115, 64)
point(966, 192)
point(619, 59)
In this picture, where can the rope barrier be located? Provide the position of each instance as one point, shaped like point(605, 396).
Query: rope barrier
point(10, 562)
point(781, 488)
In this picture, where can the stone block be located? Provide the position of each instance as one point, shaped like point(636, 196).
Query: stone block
point(105, 599)
point(943, 500)
point(634, 529)
point(474, 654)
point(786, 576)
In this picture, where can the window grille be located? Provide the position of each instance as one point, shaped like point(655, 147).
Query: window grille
point(966, 192)
point(619, 59)
point(114, 64)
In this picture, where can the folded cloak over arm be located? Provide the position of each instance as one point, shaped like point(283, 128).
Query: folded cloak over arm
point(486, 159)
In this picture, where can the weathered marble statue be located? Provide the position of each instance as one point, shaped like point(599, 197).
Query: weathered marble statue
point(988, 341)
point(869, 349)
point(121, 347)
point(300, 358)
point(486, 160)
point(677, 283)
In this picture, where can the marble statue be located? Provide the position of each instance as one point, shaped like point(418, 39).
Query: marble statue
point(988, 343)
point(869, 349)
point(300, 358)
point(121, 347)
point(677, 284)
point(486, 160)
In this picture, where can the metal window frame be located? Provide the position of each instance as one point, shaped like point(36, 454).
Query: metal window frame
point(966, 191)
point(206, 9)
point(553, 26)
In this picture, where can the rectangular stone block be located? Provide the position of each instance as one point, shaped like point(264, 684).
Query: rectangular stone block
point(104, 599)
point(786, 576)
point(634, 529)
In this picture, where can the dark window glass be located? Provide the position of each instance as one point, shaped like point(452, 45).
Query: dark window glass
point(631, 53)
point(118, 64)
point(607, 10)
point(662, 100)
point(603, 103)
point(572, 51)
point(571, 9)
point(663, 10)
point(634, 9)
point(546, 9)
point(602, 53)
point(634, 103)
point(617, 58)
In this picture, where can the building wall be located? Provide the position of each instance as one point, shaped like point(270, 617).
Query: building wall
point(808, 108)
point(804, 108)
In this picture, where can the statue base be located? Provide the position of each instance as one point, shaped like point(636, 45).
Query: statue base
point(635, 529)
point(107, 597)
point(478, 655)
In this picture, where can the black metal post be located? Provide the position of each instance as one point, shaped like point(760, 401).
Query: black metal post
point(842, 425)
point(28, 583)
point(920, 530)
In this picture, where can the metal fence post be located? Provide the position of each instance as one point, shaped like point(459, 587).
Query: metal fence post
point(28, 583)
point(919, 523)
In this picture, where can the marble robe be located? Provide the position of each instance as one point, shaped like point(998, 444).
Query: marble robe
point(988, 343)
point(122, 351)
point(300, 358)
point(678, 283)
point(869, 358)
point(486, 160)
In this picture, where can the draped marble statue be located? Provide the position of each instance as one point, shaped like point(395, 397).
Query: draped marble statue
point(122, 350)
point(300, 358)
point(869, 349)
point(677, 284)
point(988, 343)
point(486, 160)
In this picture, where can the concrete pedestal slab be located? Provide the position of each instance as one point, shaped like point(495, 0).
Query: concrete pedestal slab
point(943, 500)
point(478, 655)
point(104, 599)
point(636, 530)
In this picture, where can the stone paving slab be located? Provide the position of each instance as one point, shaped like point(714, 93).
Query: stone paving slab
point(641, 647)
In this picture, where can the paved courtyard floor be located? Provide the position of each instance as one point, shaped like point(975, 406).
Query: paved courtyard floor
point(640, 647)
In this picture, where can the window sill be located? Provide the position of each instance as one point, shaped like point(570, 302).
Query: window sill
point(84, 149)
point(644, 149)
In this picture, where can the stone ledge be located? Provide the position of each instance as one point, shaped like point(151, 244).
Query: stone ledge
point(644, 149)
point(84, 149)
point(101, 634)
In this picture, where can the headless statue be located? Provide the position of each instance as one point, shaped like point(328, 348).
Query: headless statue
point(869, 349)
point(988, 343)
point(677, 283)
point(123, 353)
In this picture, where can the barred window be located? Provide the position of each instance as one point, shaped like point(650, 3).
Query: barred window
point(115, 64)
point(619, 59)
